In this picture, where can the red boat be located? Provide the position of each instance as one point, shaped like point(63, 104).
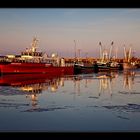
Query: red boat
point(32, 62)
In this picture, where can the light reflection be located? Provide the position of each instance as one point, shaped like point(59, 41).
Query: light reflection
point(106, 82)
point(34, 85)
point(128, 79)
point(104, 86)
point(34, 99)
point(77, 81)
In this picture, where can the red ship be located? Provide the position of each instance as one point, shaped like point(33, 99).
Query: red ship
point(33, 62)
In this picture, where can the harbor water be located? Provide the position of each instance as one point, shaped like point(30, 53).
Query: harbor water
point(95, 102)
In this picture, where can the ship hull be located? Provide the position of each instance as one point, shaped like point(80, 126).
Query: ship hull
point(34, 68)
point(94, 68)
point(108, 67)
point(83, 69)
point(128, 66)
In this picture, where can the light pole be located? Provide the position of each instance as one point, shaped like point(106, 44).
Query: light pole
point(100, 50)
point(75, 48)
point(86, 54)
point(79, 50)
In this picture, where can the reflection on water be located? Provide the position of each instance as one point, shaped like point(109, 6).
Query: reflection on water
point(105, 84)
point(129, 79)
point(32, 86)
point(113, 94)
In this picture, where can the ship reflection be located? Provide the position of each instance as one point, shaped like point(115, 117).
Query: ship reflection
point(128, 79)
point(106, 82)
point(37, 83)
point(34, 99)
point(105, 85)
point(34, 85)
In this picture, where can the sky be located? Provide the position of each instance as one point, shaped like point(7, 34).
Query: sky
point(57, 28)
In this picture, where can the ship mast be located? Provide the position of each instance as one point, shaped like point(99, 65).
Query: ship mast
point(110, 51)
point(100, 50)
point(75, 48)
point(34, 44)
point(116, 53)
point(127, 54)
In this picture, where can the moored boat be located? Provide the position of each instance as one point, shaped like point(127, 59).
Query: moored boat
point(84, 68)
point(33, 62)
point(127, 65)
point(127, 62)
point(97, 67)
point(106, 62)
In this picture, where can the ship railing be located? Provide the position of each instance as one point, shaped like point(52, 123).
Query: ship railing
point(54, 62)
point(32, 53)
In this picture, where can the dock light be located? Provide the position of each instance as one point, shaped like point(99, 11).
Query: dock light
point(54, 55)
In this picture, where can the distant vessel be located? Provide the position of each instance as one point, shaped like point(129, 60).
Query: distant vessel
point(81, 67)
point(105, 62)
point(33, 62)
point(127, 63)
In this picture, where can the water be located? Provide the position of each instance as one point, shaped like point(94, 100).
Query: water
point(76, 103)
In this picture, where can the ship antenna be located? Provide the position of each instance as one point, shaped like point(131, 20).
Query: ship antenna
point(125, 53)
point(34, 44)
point(75, 48)
point(111, 49)
point(129, 54)
point(100, 50)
